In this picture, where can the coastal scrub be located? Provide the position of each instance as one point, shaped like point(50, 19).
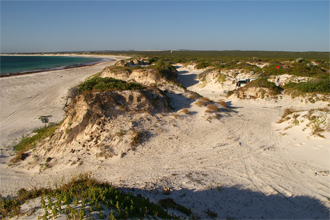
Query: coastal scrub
point(85, 197)
point(98, 84)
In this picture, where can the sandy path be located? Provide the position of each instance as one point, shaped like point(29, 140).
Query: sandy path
point(27, 97)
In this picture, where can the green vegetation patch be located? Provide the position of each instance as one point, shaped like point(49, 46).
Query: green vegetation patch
point(182, 54)
point(85, 198)
point(107, 84)
point(303, 68)
point(162, 67)
point(316, 86)
point(264, 83)
point(29, 142)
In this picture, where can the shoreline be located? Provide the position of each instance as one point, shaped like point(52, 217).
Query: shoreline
point(25, 97)
point(102, 59)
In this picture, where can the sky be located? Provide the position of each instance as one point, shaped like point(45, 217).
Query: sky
point(54, 26)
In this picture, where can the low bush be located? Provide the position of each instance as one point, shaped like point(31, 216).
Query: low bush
point(106, 84)
point(316, 86)
point(262, 82)
point(27, 143)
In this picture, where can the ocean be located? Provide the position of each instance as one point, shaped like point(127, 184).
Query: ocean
point(29, 64)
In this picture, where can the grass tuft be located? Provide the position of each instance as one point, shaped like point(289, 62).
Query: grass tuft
point(222, 103)
point(185, 111)
point(202, 101)
point(136, 138)
point(212, 107)
point(287, 111)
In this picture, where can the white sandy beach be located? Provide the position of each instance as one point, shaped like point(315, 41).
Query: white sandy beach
point(241, 165)
point(25, 98)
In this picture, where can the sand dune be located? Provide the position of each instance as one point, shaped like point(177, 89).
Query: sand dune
point(236, 163)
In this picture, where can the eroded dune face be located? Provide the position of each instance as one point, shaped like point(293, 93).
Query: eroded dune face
point(254, 93)
point(102, 124)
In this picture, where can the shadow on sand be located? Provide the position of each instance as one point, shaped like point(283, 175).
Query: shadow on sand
point(230, 105)
point(236, 203)
point(187, 80)
point(178, 102)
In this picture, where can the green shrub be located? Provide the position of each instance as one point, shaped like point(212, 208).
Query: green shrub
point(202, 65)
point(107, 84)
point(165, 69)
point(317, 86)
point(229, 93)
point(297, 69)
point(264, 83)
point(27, 143)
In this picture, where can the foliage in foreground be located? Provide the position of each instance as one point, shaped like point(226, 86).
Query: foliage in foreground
point(106, 84)
point(84, 197)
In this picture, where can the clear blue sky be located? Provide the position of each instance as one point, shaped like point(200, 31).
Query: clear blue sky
point(50, 26)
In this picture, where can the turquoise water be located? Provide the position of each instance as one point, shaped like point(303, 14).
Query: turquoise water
point(26, 64)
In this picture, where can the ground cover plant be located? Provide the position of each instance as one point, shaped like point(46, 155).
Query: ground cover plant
point(86, 198)
point(28, 143)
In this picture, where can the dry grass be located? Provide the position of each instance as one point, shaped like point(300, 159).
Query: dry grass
point(222, 103)
point(208, 111)
point(185, 111)
point(287, 111)
point(325, 109)
point(202, 101)
point(20, 155)
point(212, 107)
point(192, 96)
point(136, 138)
